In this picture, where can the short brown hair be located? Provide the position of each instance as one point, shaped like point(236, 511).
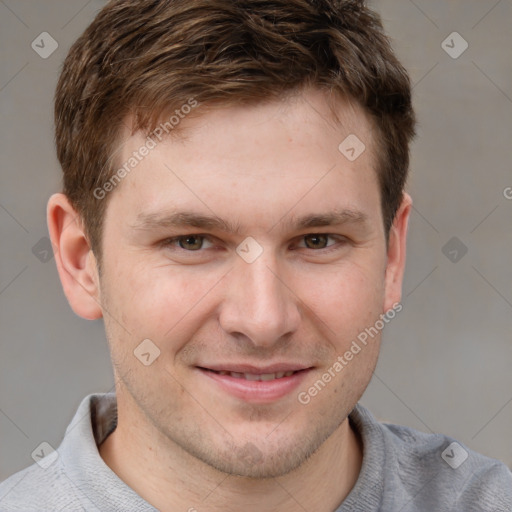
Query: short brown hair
point(145, 58)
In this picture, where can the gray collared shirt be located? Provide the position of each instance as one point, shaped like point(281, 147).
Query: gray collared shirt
point(403, 470)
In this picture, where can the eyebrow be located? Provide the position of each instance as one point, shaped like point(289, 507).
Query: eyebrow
point(183, 219)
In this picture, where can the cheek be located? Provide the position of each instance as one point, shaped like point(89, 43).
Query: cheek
point(347, 299)
point(162, 302)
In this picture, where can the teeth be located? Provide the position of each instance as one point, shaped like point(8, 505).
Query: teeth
point(261, 377)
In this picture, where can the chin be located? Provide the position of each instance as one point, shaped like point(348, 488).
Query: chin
point(263, 460)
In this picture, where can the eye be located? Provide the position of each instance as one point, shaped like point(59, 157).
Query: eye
point(318, 240)
point(188, 242)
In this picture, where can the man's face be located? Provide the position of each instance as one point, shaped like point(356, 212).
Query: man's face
point(222, 314)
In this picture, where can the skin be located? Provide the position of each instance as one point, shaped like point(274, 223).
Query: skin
point(182, 442)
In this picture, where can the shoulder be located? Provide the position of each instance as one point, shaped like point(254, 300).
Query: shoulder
point(39, 488)
point(435, 470)
point(466, 479)
point(55, 481)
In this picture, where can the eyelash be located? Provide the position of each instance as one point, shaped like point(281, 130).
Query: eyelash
point(340, 239)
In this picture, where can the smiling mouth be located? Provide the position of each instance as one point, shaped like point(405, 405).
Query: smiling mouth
point(256, 385)
point(254, 376)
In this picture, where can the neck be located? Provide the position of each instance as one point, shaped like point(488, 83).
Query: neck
point(170, 479)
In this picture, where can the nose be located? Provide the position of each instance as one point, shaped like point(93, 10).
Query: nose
point(259, 304)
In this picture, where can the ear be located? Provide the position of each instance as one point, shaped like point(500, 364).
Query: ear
point(395, 266)
point(75, 260)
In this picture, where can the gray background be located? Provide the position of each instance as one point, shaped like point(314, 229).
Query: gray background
point(445, 363)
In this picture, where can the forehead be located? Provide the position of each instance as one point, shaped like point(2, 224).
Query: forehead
point(286, 155)
point(305, 115)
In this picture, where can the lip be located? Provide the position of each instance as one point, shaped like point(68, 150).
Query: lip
point(253, 391)
point(256, 370)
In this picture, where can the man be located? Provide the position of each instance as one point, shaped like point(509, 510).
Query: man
point(234, 209)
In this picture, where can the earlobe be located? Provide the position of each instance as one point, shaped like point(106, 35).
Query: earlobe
point(396, 254)
point(75, 260)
